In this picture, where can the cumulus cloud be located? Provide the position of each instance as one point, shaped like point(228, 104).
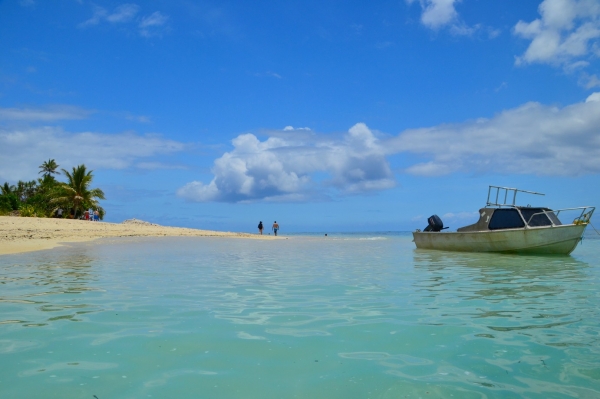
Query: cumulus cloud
point(23, 149)
point(531, 139)
point(566, 32)
point(440, 14)
point(296, 165)
point(437, 13)
point(287, 165)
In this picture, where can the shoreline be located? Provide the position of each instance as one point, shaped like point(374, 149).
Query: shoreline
point(28, 234)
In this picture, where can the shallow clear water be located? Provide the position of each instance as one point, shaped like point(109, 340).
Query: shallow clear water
point(347, 316)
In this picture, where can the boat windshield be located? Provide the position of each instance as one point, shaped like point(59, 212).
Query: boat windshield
point(541, 219)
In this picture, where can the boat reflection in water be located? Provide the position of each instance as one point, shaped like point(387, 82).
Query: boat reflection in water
point(506, 227)
point(504, 297)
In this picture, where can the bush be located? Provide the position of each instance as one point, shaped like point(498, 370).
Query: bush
point(5, 205)
point(9, 202)
point(27, 211)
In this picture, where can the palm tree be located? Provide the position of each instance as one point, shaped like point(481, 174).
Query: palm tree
point(25, 189)
point(48, 168)
point(9, 200)
point(7, 189)
point(76, 192)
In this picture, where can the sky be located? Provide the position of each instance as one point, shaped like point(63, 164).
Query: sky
point(326, 115)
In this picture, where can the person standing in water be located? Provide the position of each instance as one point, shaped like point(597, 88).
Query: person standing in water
point(260, 227)
point(275, 227)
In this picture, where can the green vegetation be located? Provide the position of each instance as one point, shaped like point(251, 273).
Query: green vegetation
point(45, 196)
point(77, 192)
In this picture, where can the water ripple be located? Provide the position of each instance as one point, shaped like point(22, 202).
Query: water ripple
point(312, 317)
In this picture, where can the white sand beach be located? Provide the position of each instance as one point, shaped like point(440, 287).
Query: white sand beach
point(23, 234)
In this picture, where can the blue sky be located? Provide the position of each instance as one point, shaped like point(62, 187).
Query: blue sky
point(322, 115)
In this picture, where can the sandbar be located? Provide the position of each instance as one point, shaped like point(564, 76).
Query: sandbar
point(25, 234)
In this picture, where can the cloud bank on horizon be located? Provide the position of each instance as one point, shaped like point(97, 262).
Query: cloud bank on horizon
point(97, 150)
point(301, 165)
point(282, 168)
point(531, 139)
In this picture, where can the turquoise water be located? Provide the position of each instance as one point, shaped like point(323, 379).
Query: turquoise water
point(347, 316)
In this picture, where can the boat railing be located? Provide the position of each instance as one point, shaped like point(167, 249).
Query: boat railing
point(583, 218)
point(505, 191)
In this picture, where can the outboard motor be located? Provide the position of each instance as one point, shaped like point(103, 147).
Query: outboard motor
point(435, 224)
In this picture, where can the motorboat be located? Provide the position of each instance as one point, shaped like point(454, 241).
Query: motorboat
point(506, 227)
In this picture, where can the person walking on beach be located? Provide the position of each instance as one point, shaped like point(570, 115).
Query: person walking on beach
point(275, 227)
point(260, 227)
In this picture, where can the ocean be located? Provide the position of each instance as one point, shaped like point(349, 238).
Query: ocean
point(343, 316)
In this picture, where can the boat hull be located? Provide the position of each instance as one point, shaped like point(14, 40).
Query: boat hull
point(555, 240)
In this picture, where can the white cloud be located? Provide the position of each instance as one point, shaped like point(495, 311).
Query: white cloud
point(493, 33)
point(438, 14)
point(593, 97)
point(46, 114)
point(155, 19)
point(286, 165)
point(23, 150)
point(157, 165)
point(291, 128)
point(567, 31)
point(461, 215)
point(60, 112)
point(138, 118)
point(589, 81)
point(150, 25)
point(463, 30)
point(297, 165)
point(99, 15)
point(531, 139)
point(123, 13)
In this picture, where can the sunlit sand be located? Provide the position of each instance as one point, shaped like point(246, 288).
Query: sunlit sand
point(21, 234)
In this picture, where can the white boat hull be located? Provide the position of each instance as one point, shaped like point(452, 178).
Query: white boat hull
point(558, 240)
